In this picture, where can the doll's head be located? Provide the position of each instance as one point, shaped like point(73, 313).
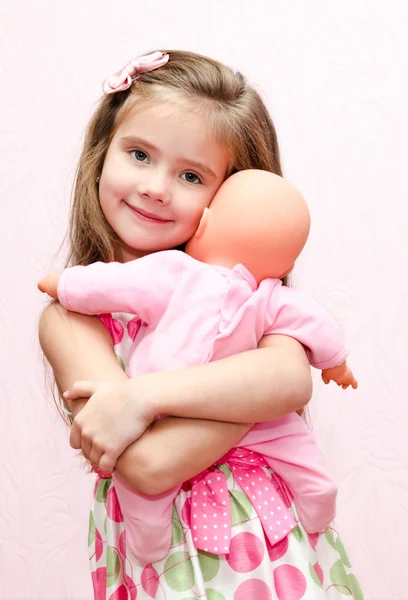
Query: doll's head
point(233, 112)
point(257, 219)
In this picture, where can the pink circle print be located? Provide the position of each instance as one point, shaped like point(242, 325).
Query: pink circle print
point(253, 588)
point(246, 553)
point(290, 583)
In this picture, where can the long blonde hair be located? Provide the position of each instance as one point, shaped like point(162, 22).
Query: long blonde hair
point(232, 108)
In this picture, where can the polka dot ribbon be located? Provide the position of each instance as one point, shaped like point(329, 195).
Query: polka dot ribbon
point(210, 505)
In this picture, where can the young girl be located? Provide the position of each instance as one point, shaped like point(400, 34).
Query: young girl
point(170, 129)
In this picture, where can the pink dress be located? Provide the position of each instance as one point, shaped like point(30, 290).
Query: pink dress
point(232, 293)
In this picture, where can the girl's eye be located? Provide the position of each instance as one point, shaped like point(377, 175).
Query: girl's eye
point(191, 177)
point(140, 155)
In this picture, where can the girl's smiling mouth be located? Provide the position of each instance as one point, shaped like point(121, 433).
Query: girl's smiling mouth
point(147, 216)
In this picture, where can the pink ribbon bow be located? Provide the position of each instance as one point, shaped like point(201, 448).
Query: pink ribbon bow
point(122, 80)
point(210, 505)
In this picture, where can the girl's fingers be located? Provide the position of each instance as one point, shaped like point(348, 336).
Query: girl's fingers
point(81, 389)
point(106, 464)
point(75, 436)
point(86, 446)
point(95, 456)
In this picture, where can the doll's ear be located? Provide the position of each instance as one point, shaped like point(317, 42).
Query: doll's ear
point(203, 223)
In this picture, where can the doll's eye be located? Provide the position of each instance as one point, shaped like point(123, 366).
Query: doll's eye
point(191, 177)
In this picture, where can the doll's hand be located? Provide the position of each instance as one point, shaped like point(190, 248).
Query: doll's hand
point(49, 285)
point(342, 375)
point(115, 416)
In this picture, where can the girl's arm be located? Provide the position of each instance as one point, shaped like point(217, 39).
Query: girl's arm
point(165, 449)
point(255, 386)
point(173, 450)
point(79, 347)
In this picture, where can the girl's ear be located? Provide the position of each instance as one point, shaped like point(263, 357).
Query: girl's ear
point(203, 223)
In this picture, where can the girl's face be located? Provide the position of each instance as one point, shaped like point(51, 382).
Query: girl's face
point(161, 170)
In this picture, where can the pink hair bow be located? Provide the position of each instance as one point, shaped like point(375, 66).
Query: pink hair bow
point(122, 80)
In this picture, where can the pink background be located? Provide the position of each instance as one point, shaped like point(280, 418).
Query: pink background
point(335, 77)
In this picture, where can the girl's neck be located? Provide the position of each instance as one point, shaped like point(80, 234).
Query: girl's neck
point(124, 253)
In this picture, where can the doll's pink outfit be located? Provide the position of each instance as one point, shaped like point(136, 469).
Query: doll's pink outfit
point(194, 313)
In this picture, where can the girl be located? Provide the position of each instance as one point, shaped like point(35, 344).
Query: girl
point(170, 129)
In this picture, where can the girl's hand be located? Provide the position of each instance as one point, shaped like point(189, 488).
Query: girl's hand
point(49, 285)
point(112, 419)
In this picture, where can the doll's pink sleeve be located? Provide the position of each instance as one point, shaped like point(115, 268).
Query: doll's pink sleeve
point(296, 314)
point(290, 450)
point(141, 286)
point(148, 521)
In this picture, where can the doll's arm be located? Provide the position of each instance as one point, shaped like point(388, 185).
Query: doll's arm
point(141, 287)
point(49, 285)
point(293, 313)
point(342, 375)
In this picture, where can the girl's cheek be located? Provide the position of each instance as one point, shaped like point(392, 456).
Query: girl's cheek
point(115, 187)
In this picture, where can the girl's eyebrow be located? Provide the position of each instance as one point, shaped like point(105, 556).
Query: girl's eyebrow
point(131, 139)
point(199, 166)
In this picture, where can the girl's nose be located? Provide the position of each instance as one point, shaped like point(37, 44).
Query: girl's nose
point(155, 186)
